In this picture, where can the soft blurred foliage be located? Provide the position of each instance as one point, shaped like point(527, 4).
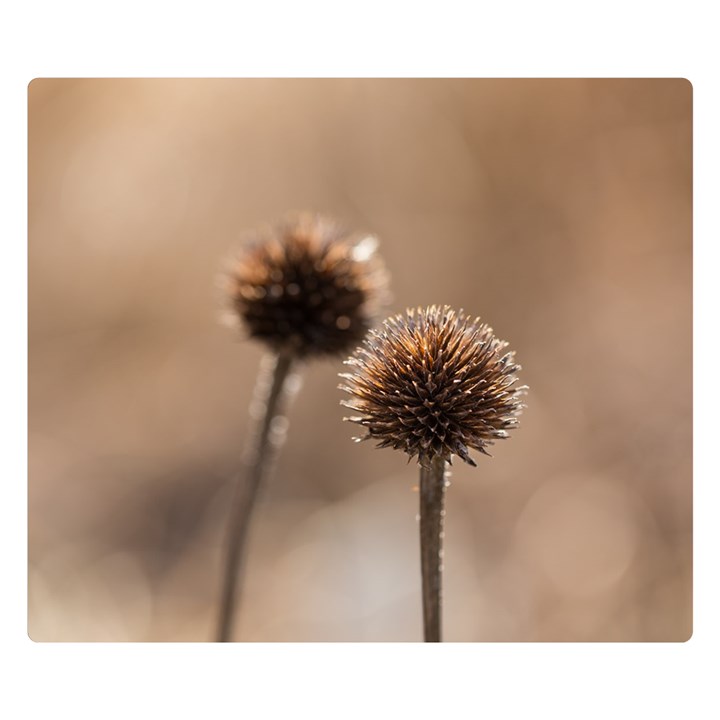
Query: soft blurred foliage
point(558, 210)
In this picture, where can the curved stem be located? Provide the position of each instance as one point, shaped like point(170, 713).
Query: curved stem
point(432, 501)
point(262, 450)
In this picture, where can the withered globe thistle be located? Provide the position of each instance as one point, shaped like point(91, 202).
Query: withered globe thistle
point(309, 288)
point(434, 383)
point(306, 289)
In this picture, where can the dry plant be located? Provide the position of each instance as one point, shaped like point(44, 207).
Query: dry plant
point(433, 383)
point(306, 289)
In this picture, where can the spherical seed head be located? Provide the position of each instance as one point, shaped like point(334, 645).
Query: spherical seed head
point(434, 382)
point(308, 287)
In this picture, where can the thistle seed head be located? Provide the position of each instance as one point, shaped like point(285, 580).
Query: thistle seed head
point(308, 287)
point(434, 382)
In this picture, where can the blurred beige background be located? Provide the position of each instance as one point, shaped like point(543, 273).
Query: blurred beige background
point(558, 210)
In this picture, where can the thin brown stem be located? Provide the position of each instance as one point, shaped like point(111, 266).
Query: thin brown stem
point(432, 501)
point(262, 448)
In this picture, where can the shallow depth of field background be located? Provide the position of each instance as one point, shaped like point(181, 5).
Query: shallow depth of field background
point(557, 210)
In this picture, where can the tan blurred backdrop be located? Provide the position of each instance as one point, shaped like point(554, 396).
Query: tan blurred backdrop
point(558, 210)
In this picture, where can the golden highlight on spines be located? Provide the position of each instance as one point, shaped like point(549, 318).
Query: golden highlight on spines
point(434, 382)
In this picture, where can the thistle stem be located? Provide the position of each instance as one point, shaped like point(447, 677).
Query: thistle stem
point(262, 448)
point(432, 501)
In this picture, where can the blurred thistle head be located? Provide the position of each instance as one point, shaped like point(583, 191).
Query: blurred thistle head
point(309, 287)
point(434, 382)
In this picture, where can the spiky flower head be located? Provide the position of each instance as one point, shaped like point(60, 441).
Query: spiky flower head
point(309, 287)
point(434, 382)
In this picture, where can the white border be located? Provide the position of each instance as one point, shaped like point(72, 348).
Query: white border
point(518, 39)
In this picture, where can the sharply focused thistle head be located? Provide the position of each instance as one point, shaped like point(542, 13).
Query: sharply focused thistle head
point(434, 382)
point(309, 287)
